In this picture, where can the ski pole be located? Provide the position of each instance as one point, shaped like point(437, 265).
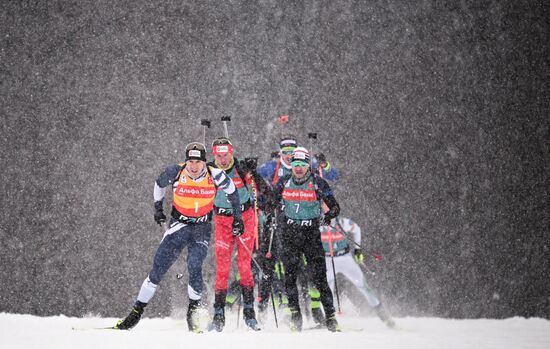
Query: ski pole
point(268, 255)
point(262, 275)
point(256, 220)
point(239, 311)
point(366, 269)
point(272, 228)
point(273, 304)
point(345, 233)
point(205, 124)
point(333, 270)
point(225, 120)
point(313, 136)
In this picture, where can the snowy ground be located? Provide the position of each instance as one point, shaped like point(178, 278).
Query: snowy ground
point(26, 331)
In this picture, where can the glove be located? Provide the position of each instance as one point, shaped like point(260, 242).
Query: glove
point(159, 216)
point(237, 227)
point(249, 164)
point(321, 158)
point(358, 256)
point(327, 219)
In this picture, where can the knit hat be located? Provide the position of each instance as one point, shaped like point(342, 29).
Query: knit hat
point(288, 143)
point(195, 151)
point(300, 157)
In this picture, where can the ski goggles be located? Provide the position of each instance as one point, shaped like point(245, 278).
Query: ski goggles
point(287, 150)
point(299, 163)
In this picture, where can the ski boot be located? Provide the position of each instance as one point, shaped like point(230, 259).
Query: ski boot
point(250, 317)
point(193, 316)
point(295, 320)
point(332, 324)
point(318, 317)
point(133, 318)
point(384, 316)
point(315, 303)
point(218, 322)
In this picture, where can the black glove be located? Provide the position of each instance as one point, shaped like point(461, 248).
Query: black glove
point(327, 219)
point(249, 164)
point(321, 158)
point(237, 227)
point(159, 216)
point(332, 213)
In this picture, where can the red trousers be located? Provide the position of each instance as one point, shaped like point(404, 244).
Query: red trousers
point(223, 247)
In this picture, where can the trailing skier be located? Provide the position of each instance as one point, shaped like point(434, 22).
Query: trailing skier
point(342, 244)
point(280, 166)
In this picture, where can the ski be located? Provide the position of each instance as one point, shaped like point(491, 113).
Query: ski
point(344, 329)
point(212, 328)
point(95, 328)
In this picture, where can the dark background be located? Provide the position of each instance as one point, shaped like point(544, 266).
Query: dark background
point(435, 113)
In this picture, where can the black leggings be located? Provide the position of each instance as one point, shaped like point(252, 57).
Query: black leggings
point(299, 242)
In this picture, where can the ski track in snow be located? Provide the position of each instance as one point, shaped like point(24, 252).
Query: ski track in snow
point(27, 331)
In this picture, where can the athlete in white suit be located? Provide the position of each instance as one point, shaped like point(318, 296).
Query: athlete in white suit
point(347, 256)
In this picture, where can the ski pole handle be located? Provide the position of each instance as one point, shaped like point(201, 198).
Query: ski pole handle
point(205, 124)
point(225, 120)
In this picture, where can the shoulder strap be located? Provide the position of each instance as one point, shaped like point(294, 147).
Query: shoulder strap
point(209, 166)
point(287, 179)
point(318, 191)
point(275, 178)
point(209, 170)
point(182, 165)
point(237, 167)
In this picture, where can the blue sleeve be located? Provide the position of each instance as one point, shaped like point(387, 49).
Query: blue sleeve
point(168, 176)
point(267, 170)
point(323, 187)
point(331, 175)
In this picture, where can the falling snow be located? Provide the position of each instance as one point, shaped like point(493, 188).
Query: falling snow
point(435, 114)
